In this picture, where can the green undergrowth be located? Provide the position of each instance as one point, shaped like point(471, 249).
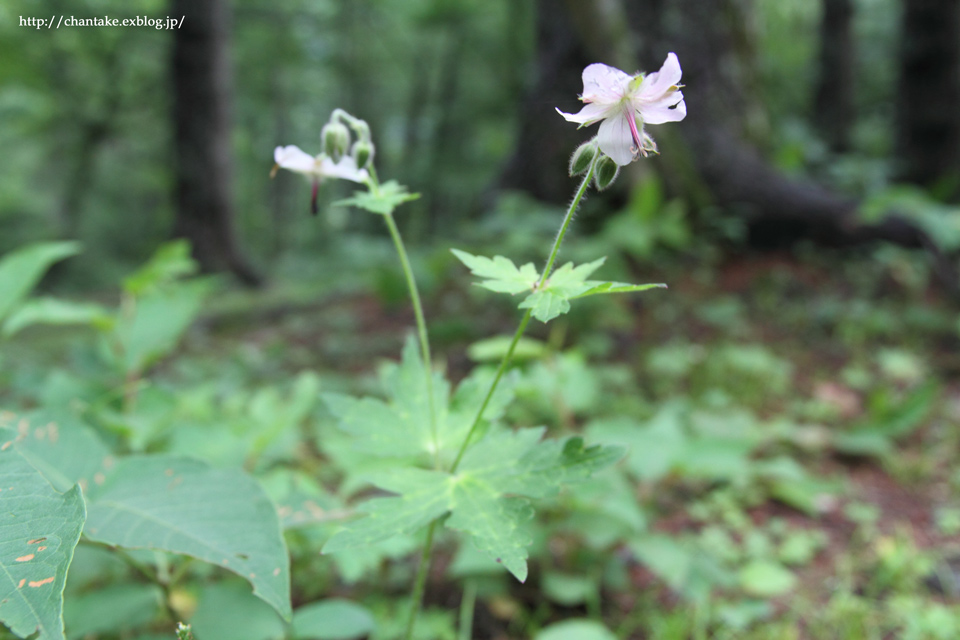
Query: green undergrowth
point(784, 424)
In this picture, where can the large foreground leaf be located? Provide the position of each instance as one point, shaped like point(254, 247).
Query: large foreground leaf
point(185, 506)
point(39, 531)
point(485, 497)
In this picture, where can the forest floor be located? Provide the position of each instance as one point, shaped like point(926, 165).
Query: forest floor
point(791, 422)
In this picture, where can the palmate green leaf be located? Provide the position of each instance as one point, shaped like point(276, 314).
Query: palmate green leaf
point(390, 196)
point(184, 506)
point(21, 270)
point(567, 283)
point(378, 428)
point(399, 426)
point(486, 498)
point(546, 305)
point(504, 466)
point(500, 274)
point(520, 463)
point(40, 529)
point(422, 496)
point(495, 524)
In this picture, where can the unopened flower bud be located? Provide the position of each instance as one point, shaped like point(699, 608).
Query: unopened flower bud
point(362, 153)
point(582, 157)
point(336, 140)
point(605, 173)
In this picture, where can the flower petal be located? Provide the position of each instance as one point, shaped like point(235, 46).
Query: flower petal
point(591, 113)
point(616, 139)
point(295, 159)
point(663, 111)
point(345, 169)
point(659, 82)
point(603, 84)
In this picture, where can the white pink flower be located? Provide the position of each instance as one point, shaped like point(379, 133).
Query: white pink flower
point(623, 104)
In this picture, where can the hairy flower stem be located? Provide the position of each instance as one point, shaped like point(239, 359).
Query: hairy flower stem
point(421, 328)
point(508, 356)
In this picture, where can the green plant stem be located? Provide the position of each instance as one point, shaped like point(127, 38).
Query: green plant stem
point(508, 356)
point(467, 604)
point(421, 581)
point(567, 220)
point(421, 329)
point(504, 365)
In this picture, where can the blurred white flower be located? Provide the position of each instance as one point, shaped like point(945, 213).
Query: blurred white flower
point(624, 103)
point(293, 158)
point(322, 166)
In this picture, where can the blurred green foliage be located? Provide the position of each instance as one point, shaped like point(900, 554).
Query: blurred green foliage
point(87, 116)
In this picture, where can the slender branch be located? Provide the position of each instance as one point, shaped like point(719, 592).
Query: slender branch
point(421, 330)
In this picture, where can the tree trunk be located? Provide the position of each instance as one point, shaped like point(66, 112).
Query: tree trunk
point(201, 88)
point(929, 94)
point(834, 102)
